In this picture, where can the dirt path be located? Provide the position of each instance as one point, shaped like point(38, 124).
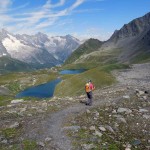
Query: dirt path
point(50, 127)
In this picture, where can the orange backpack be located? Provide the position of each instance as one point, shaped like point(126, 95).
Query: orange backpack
point(87, 87)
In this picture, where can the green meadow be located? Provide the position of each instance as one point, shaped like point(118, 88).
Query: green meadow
point(73, 85)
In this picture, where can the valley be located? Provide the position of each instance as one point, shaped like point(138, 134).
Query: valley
point(120, 70)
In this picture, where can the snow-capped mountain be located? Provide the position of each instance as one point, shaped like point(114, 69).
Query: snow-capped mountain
point(39, 49)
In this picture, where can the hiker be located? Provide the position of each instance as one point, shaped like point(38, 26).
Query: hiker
point(89, 87)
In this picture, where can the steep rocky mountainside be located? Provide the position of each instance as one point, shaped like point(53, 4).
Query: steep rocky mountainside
point(132, 29)
point(133, 39)
point(130, 43)
point(37, 50)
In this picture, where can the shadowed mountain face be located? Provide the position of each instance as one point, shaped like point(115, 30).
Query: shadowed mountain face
point(8, 64)
point(131, 42)
point(132, 38)
point(89, 46)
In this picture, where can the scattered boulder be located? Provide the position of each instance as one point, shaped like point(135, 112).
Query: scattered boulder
point(41, 144)
point(87, 146)
point(96, 114)
point(88, 111)
point(126, 97)
point(143, 110)
point(70, 98)
point(44, 105)
point(101, 128)
point(139, 93)
point(48, 139)
point(75, 128)
point(124, 110)
point(15, 125)
point(121, 120)
point(146, 116)
point(144, 97)
point(4, 141)
point(99, 134)
point(23, 109)
point(109, 128)
point(17, 101)
point(114, 111)
point(92, 128)
point(136, 142)
point(128, 147)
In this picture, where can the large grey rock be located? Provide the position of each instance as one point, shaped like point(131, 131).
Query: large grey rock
point(41, 144)
point(92, 128)
point(87, 146)
point(4, 141)
point(124, 110)
point(109, 128)
point(126, 97)
point(14, 125)
point(17, 101)
point(88, 111)
point(121, 120)
point(101, 128)
point(48, 139)
point(143, 110)
point(74, 128)
point(97, 133)
point(146, 116)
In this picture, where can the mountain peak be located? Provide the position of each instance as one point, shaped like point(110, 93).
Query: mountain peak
point(133, 28)
point(4, 31)
point(40, 34)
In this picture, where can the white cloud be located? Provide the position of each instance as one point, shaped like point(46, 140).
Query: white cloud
point(46, 16)
point(38, 18)
point(76, 4)
point(4, 4)
point(87, 10)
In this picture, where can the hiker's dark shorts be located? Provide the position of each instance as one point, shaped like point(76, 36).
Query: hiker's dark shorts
point(89, 95)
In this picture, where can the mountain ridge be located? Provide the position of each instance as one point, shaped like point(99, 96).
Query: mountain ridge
point(38, 50)
point(125, 45)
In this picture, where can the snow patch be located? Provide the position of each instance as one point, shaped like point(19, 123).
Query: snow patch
point(12, 44)
point(55, 56)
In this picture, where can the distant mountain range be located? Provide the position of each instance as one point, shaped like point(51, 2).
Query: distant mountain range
point(129, 44)
point(37, 50)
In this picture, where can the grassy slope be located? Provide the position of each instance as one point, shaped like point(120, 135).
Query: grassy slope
point(86, 48)
point(74, 85)
point(94, 59)
point(16, 82)
point(142, 58)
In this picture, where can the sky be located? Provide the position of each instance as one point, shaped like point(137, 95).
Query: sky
point(81, 18)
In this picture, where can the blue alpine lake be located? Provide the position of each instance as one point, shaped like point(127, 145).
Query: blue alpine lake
point(63, 72)
point(45, 90)
point(41, 91)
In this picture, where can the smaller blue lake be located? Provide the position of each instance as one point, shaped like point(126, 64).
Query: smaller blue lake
point(45, 90)
point(63, 72)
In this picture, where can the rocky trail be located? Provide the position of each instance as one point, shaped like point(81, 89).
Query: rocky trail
point(52, 127)
point(49, 122)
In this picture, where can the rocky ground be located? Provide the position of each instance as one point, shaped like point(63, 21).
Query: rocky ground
point(118, 120)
